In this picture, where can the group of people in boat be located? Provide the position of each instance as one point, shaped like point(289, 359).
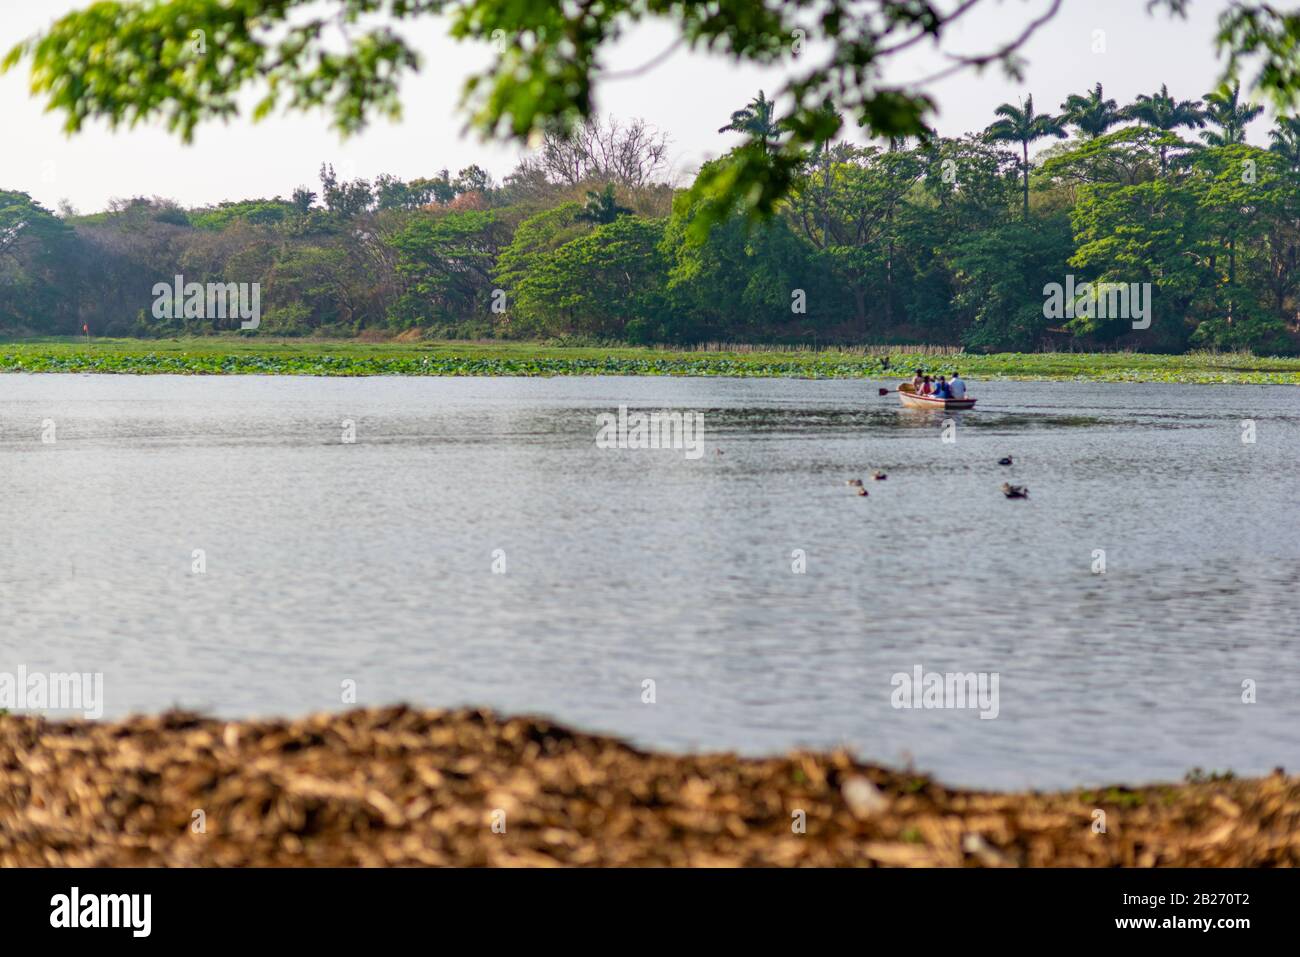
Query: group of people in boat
point(940, 388)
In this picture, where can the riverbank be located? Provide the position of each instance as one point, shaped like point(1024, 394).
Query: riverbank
point(397, 786)
point(236, 355)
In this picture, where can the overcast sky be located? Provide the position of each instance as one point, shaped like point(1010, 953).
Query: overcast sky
point(687, 95)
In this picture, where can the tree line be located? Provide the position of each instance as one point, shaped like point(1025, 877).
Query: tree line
point(921, 239)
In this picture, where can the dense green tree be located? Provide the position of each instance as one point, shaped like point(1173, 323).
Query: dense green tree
point(999, 277)
point(1126, 156)
point(747, 280)
point(25, 224)
point(1162, 112)
point(1250, 205)
point(608, 283)
point(258, 211)
point(850, 214)
point(445, 262)
point(38, 289)
point(390, 192)
point(314, 287)
point(537, 238)
point(974, 182)
point(437, 189)
point(343, 198)
point(472, 179)
point(1150, 232)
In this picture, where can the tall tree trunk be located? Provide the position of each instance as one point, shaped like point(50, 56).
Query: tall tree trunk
point(1232, 275)
point(889, 272)
point(825, 197)
point(1024, 144)
point(860, 306)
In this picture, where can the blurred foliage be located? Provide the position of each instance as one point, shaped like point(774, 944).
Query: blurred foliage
point(187, 61)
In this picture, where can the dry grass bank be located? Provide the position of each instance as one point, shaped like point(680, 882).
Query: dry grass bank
point(401, 786)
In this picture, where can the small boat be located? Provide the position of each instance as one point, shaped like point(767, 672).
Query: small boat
point(908, 396)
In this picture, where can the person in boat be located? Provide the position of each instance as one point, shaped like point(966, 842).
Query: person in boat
point(918, 380)
point(926, 386)
point(941, 390)
point(957, 386)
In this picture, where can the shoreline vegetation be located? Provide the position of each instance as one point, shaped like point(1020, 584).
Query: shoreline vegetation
point(235, 355)
point(398, 786)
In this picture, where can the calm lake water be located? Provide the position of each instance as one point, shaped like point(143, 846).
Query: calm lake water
point(373, 561)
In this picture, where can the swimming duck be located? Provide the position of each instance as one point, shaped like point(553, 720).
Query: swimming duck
point(1004, 461)
point(1014, 491)
point(862, 491)
point(879, 476)
point(857, 483)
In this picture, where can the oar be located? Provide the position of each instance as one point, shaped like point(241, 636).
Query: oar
point(887, 391)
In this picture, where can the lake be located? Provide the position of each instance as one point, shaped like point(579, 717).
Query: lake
point(473, 545)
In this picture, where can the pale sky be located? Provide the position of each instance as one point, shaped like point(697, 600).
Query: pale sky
point(687, 95)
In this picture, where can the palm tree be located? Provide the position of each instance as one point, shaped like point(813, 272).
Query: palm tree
point(1225, 111)
point(1022, 125)
point(1162, 112)
point(757, 120)
point(602, 207)
point(1092, 114)
point(1284, 140)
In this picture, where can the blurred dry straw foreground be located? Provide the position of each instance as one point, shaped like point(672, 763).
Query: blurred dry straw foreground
point(401, 786)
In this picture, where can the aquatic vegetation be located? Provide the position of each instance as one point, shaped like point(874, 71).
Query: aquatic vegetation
point(235, 355)
point(200, 358)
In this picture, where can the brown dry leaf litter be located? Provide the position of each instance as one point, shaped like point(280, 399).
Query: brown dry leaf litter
point(400, 786)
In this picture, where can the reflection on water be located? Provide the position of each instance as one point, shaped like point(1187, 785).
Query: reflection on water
point(373, 561)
